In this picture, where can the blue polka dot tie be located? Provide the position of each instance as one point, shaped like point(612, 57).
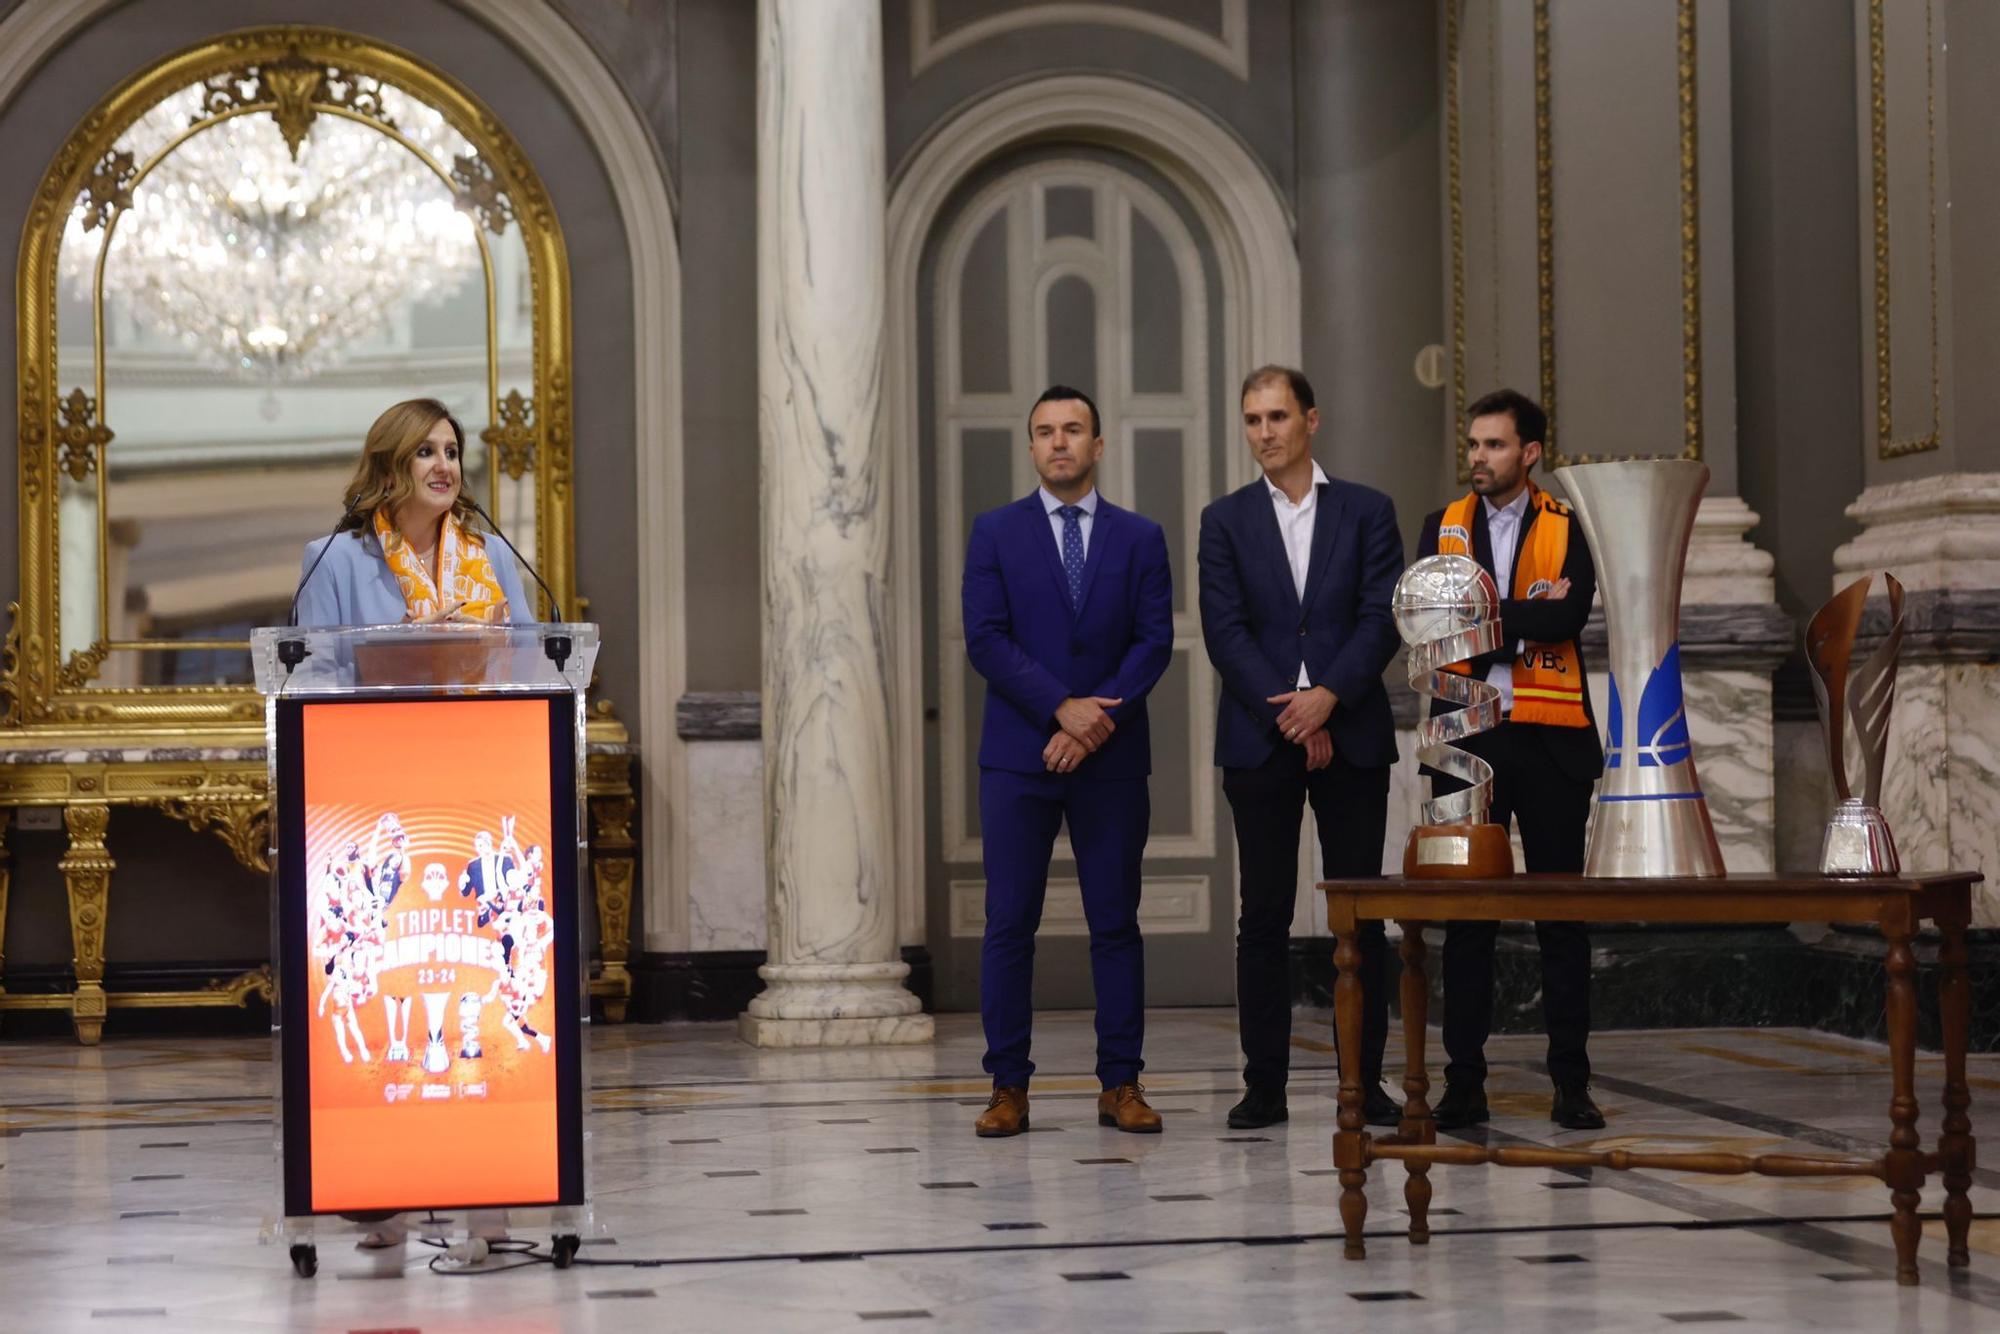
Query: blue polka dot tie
point(1072, 547)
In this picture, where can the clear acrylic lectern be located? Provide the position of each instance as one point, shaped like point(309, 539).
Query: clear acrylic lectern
point(427, 847)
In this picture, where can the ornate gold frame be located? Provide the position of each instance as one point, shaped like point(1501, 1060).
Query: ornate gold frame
point(1545, 263)
point(293, 73)
point(196, 753)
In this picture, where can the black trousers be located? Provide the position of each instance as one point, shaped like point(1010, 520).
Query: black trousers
point(1553, 811)
point(1351, 808)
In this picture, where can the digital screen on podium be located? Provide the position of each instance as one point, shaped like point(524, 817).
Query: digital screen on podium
point(427, 854)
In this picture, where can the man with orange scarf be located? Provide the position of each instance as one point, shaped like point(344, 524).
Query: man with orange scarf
point(1545, 753)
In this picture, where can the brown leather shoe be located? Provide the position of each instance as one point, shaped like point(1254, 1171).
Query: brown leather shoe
point(1125, 1107)
point(1006, 1114)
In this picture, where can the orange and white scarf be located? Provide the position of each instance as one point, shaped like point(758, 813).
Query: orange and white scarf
point(465, 574)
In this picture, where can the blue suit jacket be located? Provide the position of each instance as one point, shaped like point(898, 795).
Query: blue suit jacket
point(1258, 630)
point(354, 585)
point(1035, 652)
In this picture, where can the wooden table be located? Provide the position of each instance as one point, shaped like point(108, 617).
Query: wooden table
point(1896, 905)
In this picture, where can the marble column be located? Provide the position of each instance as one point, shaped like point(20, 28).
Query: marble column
point(833, 976)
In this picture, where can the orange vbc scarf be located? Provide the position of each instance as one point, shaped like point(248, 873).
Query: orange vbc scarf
point(1548, 678)
point(465, 574)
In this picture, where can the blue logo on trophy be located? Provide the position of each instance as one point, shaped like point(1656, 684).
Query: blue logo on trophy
point(1650, 818)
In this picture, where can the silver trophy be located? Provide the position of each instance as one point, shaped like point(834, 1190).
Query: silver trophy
point(1650, 818)
point(437, 1059)
point(1448, 610)
point(1858, 841)
point(469, 1006)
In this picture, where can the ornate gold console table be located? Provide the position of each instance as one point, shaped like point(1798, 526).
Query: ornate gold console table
point(224, 788)
point(1896, 905)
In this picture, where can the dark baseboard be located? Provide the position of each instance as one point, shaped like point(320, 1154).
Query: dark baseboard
point(252, 1018)
point(1705, 977)
point(713, 985)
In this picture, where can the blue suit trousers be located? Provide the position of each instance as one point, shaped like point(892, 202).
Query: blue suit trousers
point(1020, 814)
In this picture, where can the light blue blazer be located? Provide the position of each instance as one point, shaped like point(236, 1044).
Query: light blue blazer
point(354, 586)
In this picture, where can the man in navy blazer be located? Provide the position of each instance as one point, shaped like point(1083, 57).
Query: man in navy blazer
point(1068, 609)
point(1297, 571)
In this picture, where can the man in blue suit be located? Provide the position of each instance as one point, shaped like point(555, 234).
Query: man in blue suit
point(1297, 571)
point(1068, 608)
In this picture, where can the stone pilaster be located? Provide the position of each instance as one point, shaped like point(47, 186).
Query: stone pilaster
point(1733, 635)
point(1940, 537)
point(834, 977)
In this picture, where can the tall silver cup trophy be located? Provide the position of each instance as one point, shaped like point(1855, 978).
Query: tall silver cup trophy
point(1651, 818)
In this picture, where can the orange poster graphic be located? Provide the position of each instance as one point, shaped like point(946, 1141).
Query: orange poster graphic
point(430, 954)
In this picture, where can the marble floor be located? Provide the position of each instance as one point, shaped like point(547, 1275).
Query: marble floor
point(787, 1190)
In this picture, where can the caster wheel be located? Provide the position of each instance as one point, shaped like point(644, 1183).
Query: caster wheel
point(563, 1250)
point(305, 1260)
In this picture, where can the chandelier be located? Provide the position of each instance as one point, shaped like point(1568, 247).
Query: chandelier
point(273, 267)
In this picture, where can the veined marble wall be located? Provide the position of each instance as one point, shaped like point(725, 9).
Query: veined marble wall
point(725, 823)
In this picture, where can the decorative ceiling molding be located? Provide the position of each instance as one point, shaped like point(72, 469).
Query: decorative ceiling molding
point(1231, 49)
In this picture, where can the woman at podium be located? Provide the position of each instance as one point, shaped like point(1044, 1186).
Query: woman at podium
point(406, 548)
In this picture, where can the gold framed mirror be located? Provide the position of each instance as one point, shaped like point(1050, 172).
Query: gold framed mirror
point(237, 260)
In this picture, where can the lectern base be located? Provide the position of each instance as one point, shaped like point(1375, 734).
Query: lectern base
point(879, 1031)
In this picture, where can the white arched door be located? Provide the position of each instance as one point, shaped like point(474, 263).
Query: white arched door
point(1082, 268)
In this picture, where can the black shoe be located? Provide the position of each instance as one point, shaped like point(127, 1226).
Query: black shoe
point(1379, 1109)
point(1573, 1109)
point(1259, 1108)
point(1462, 1105)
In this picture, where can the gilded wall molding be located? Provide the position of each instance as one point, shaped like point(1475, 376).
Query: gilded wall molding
point(1688, 226)
point(1887, 444)
point(1545, 237)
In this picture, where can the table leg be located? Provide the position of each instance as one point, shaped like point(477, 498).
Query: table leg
point(1350, 1142)
point(1417, 1126)
point(86, 869)
point(1904, 1162)
point(1955, 1144)
point(611, 871)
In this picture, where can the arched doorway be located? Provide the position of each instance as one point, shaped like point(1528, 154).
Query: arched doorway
point(1083, 267)
point(1115, 151)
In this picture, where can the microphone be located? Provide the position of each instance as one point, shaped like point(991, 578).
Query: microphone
point(292, 652)
point(554, 606)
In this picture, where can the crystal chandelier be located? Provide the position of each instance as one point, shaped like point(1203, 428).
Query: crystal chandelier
point(275, 268)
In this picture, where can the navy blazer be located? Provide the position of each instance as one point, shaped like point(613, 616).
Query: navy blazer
point(1258, 630)
point(1035, 652)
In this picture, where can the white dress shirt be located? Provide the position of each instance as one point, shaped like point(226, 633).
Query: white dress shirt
point(1295, 526)
point(1084, 522)
point(1503, 529)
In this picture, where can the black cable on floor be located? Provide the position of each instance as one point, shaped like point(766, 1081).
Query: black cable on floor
point(530, 1251)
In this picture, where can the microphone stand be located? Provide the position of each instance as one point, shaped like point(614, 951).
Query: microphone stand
point(557, 647)
point(292, 652)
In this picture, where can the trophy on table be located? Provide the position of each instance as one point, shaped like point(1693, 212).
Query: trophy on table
point(1858, 841)
point(1650, 818)
point(1448, 610)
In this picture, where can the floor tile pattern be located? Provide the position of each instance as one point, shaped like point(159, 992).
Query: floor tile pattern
point(738, 1188)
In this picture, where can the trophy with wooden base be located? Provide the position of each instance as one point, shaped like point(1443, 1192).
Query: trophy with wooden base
point(1448, 611)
